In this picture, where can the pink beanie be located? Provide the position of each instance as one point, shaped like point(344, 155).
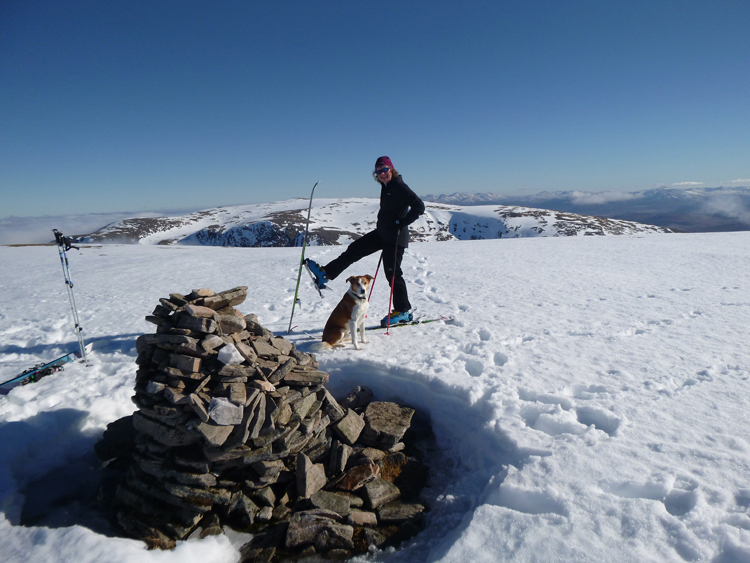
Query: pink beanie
point(383, 161)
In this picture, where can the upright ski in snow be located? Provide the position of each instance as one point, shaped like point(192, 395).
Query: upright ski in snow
point(302, 259)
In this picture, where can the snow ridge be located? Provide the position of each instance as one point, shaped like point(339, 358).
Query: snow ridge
point(338, 221)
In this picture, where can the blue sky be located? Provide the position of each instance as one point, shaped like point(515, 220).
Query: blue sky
point(148, 105)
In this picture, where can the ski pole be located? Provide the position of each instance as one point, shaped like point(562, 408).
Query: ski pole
point(393, 282)
point(302, 260)
point(372, 285)
point(63, 245)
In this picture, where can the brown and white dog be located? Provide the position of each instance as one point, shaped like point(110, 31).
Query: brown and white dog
point(348, 315)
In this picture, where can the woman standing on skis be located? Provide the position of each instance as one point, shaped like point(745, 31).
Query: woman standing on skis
point(399, 208)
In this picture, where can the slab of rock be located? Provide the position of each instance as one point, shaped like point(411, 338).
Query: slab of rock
point(197, 324)
point(303, 405)
point(310, 477)
point(200, 312)
point(362, 518)
point(184, 363)
point(334, 502)
point(281, 372)
point(339, 457)
point(332, 408)
point(175, 397)
point(268, 471)
point(211, 342)
point(283, 345)
point(350, 427)
point(310, 528)
point(385, 424)
point(247, 352)
point(263, 385)
point(358, 476)
point(214, 434)
point(398, 513)
point(231, 324)
point(305, 378)
point(162, 433)
point(379, 492)
point(264, 349)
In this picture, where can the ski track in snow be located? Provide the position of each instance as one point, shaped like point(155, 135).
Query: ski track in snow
point(590, 398)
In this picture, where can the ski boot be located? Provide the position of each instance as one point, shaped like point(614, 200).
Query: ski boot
point(397, 317)
point(318, 273)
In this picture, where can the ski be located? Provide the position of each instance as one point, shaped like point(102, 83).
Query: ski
point(46, 368)
point(40, 370)
point(302, 259)
point(421, 321)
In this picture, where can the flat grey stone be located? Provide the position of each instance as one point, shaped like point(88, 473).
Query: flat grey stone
point(349, 428)
point(162, 433)
point(310, 477)
point(398, 513)
point(385, 424)
point(330, 501)
point(379, 492)
point(214, 434)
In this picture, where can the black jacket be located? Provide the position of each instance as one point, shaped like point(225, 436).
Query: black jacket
point(399, 208)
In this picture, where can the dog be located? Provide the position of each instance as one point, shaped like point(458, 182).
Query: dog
point(348, 315)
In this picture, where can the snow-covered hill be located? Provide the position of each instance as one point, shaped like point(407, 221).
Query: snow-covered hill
point(338, 221)
point(590, 400)
point(685, 209)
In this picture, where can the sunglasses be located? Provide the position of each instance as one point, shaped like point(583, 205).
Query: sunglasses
point(382, 171)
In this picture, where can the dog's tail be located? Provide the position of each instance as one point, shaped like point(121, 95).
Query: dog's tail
point(320, 346)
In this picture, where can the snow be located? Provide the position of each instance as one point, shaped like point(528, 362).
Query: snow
point(590, 399)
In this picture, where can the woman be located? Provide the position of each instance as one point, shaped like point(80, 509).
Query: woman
point(399, 208)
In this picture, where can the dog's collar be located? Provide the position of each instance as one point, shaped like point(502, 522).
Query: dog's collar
point(355, 296)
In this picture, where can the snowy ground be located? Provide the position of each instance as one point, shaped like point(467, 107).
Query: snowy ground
point(590, 399)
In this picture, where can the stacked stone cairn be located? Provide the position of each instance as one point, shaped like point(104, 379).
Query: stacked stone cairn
point(234, 427)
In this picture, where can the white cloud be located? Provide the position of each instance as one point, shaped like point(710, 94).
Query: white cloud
point(38, 230)
point(728, 206)
point(689, 184)
point(741, 181)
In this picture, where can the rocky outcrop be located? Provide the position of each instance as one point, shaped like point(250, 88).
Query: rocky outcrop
point(235, 427)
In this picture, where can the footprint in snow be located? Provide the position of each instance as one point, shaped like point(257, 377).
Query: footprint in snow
point(527, 501)
point(500, 359)
point(555, 415)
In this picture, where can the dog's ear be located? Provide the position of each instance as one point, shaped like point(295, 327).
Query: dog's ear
point(369, 277)
point(349, 279)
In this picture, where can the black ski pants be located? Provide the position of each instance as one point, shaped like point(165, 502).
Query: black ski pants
point(392, 255)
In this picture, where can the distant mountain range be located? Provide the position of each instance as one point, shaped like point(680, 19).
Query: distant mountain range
point(686, 210)
point(339, 221)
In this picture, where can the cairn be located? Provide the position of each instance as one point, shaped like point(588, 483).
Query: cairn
point(235, 427)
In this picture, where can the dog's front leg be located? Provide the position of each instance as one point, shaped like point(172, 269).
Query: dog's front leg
point(353, 332)
point(361, 318)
